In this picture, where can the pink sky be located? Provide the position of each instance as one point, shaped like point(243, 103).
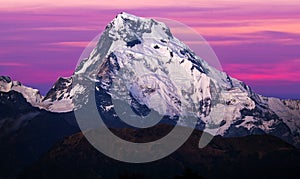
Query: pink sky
point(257, 42)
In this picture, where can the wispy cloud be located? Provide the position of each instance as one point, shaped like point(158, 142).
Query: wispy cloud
point(12, 64)
point(70, 28)
point(277, 71)
point(72, 44)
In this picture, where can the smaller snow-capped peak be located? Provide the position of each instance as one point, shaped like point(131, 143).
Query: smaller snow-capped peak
point(60, 89)
point(32, 96)
point(59, 97)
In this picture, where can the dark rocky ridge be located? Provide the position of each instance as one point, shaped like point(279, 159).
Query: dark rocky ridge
point(244, 157)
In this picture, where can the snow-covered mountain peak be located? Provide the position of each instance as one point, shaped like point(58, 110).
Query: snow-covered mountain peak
point(130, 28)
point(135, 37)
point(32, 96)
point(142, 57)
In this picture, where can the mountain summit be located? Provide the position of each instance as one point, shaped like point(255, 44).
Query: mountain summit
point(139, 61)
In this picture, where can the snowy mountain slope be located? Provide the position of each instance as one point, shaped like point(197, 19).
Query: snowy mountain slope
point(289, 112)
point(139, 61)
